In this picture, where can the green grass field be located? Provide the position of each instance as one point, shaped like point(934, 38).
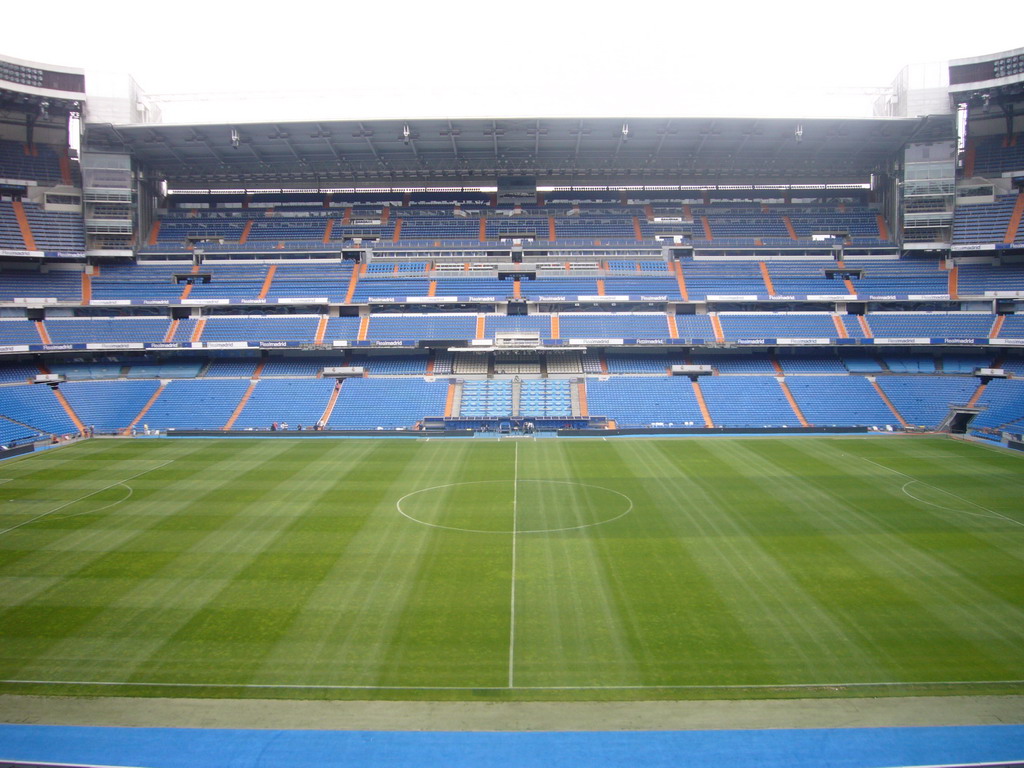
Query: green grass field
point(529, 569)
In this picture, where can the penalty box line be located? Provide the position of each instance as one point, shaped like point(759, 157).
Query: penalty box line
point(81, 498)
point(992, 512)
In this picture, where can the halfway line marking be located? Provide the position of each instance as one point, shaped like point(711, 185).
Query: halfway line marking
point(512, 610)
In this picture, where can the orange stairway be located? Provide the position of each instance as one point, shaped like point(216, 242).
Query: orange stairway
point(840, 327)
point(716, 324)
point(197, 332)
point(555, 329)
point(1015, 217)
point(23, 225)
point(65, 170)
point(699, 394)
point(321, 330)
point(267, 281)
point(142, 412)
point(889, 403)
point(792, 401)
point(188, 286)
point(766, 278)
point(241, 404)
point(953, 282)
point(673, 328)
point(364, 327)
point(864, 327)
point(976, 396)
point(582, 393)
point(681, 280)
point(352, 284)
point(969, 157)
point(331, 402)
point(69, 410)
point(449, 400)
point(44, 335)
point(997, 327)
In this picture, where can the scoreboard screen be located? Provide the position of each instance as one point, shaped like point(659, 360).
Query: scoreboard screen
point(517, 189)
point(981, 71)
point(36, 77)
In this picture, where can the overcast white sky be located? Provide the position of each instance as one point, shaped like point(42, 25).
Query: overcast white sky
point(525, 58)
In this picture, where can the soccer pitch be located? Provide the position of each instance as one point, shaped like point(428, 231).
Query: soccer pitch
point(543, 569)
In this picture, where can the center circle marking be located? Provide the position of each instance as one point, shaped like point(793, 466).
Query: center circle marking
point(626, 500)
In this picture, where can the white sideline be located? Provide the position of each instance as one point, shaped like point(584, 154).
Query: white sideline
point(316, 687)
point(512, 610)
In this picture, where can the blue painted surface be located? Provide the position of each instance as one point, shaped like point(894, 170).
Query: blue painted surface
point(209, 748)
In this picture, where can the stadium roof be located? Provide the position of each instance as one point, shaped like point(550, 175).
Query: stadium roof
point(559, 152)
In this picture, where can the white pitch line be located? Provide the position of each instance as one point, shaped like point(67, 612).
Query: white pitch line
point(407, 516)
point(123, 499)
point(80, 498)
point(992, 512)
point(940, 506)
point(314, 686)
point(512, 610)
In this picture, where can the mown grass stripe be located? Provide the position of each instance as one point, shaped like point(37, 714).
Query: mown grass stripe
point(745, 568)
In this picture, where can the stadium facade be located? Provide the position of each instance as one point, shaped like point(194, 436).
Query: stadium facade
point(580, 275)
